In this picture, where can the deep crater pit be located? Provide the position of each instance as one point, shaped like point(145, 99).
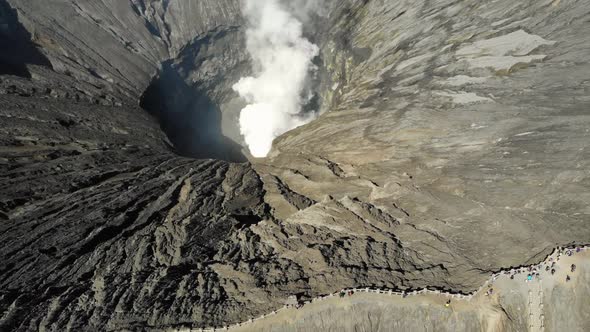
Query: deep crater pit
point(194, 99)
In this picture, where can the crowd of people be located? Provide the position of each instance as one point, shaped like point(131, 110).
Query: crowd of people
point(534, 272)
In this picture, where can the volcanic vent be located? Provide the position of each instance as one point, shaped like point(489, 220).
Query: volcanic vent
point(192, 97)
point(227, 95)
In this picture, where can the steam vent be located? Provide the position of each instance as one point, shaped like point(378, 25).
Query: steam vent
point(301, 165)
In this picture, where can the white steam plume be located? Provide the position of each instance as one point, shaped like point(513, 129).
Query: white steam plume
point(282, 60)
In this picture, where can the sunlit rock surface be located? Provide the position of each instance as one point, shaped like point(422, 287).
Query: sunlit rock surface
point(453, 143)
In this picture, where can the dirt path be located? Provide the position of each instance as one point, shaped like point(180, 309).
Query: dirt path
point(535, 307)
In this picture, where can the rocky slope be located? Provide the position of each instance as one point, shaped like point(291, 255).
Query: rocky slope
point(453, 143)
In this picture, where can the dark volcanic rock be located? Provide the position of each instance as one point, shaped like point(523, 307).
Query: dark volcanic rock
point(97, 215)
point(453, 143)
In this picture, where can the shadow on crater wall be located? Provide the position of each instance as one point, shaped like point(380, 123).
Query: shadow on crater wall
point(190, 119)
point(16, 48)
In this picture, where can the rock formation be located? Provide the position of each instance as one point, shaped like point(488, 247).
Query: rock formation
point(453, 143)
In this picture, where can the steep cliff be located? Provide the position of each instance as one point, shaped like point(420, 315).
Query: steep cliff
point(452, 143)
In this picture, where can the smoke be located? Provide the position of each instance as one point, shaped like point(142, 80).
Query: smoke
point(282, 65)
